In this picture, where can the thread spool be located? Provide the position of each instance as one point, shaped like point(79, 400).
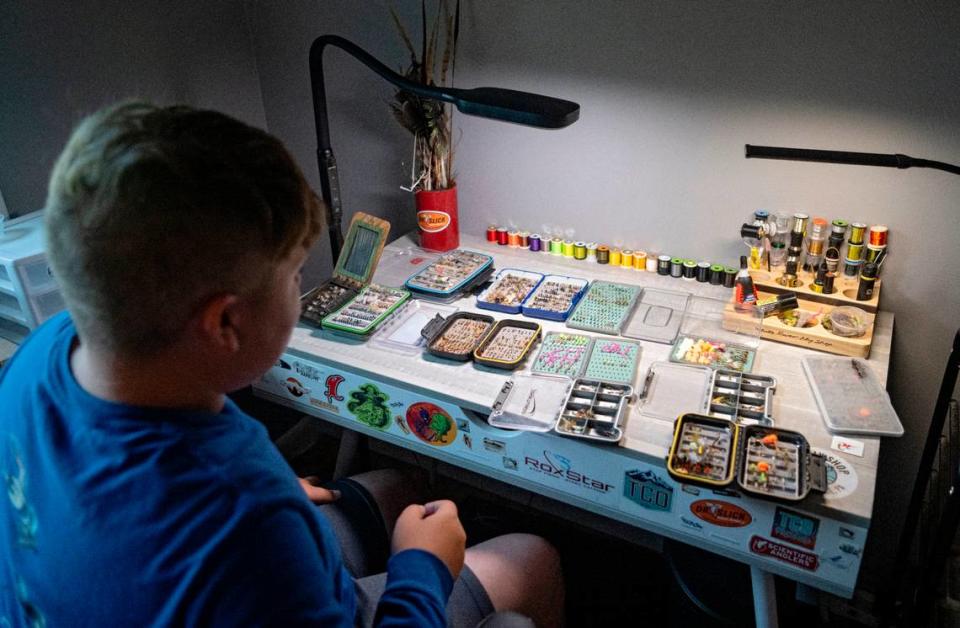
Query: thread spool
point(663, 265)
point(524, 239)
point(729, 277)
point(878, 235)
point(603, 255)
point(492, 233)
point(676, 267)
point(640, 260)
point(534, 242)
point(703, 272)
point(502, 237)
point(716, 274)
point(556, 246)
point(513, 238)
point(579, 250)
point(592, 251)
point(626, 259)
point(857, 230)
point(851, 268)
point(567, 248)
point(854, 252)
point(873, 254)
point(689, 269)
point(652, 263)
point(614, 257)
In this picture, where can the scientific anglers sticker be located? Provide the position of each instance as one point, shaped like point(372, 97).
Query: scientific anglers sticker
point(431, 423)
point(784, 553)
point(841, 476)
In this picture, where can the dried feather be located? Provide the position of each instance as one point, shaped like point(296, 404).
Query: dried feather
point(404, 36)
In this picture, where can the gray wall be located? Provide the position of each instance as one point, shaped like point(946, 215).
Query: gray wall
point(62, 60)
point(670, 92)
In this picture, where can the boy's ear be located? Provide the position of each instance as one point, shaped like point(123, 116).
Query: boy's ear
point(218, 321)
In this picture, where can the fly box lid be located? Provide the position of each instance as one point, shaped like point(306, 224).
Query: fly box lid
point(530, 402)
point(366, 237)
point(768, 462)
point(507, 344)
point(456, 336)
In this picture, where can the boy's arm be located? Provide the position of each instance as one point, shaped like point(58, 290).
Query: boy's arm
point(428, 545)
point(273, 570)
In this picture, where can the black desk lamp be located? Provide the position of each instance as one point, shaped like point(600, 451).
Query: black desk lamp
point(845, 157)
point(889, 597)
point(486, 102)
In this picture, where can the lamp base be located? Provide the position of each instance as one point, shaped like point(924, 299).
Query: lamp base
point(437, 219)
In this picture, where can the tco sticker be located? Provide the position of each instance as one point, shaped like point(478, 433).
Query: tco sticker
point(784, 553)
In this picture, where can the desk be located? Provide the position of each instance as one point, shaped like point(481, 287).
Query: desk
point(818, 541)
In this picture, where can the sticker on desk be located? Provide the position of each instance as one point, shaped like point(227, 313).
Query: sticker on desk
point(796, 528)
point(369, 405)
point(721, 513)
point(331, 387)
point(842, 478)
point(847, 446)
point(431, 424)
point(648, 489)
point(691, 523)
point(784, 553)
point(295, 388)
point(563, 471)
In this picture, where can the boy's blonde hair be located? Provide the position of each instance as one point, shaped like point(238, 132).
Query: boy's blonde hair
point(152, 210)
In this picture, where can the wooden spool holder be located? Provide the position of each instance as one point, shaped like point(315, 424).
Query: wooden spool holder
point(845, 289)
point(814, 337)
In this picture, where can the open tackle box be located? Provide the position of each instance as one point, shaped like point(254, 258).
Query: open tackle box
point(467, 335)
point(555, 297)
point(509, 290)
point(355, 266)
point(360, 315)
point(703, 340)
point(451, 276)
point(671, 390)
point(579, 387)
point(604, 307)
point(765, 461)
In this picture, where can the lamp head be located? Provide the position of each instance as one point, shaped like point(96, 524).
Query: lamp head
point(518, 107)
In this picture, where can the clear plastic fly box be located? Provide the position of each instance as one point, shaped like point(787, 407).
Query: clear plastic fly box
point(703, 341)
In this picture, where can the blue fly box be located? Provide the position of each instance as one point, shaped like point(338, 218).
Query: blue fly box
point(509, 290)
point(554, 298)
point(449, 275)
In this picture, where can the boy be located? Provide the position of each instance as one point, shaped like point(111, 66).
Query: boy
point(137, 493)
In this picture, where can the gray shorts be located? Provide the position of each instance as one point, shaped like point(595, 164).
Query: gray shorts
point(359, 526)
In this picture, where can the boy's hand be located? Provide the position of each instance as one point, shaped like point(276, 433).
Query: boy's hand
point(317, 494)
point(435, 528)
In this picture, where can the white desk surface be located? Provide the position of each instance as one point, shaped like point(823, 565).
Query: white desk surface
point(475, 387)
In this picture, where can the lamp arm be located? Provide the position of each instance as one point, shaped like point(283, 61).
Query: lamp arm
point(329, 176)
point(846, 157)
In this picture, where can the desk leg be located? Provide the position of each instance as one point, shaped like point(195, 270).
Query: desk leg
point(764, 598)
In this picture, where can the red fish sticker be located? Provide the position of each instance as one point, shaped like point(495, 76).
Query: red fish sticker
point(332, 384)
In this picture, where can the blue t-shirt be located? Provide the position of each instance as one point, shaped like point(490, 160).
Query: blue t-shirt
point(128, 516)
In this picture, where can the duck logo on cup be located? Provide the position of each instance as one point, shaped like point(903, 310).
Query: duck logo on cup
point(432, 221)
point(720, 513)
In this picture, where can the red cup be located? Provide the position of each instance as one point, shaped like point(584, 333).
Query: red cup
point(437, 219)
